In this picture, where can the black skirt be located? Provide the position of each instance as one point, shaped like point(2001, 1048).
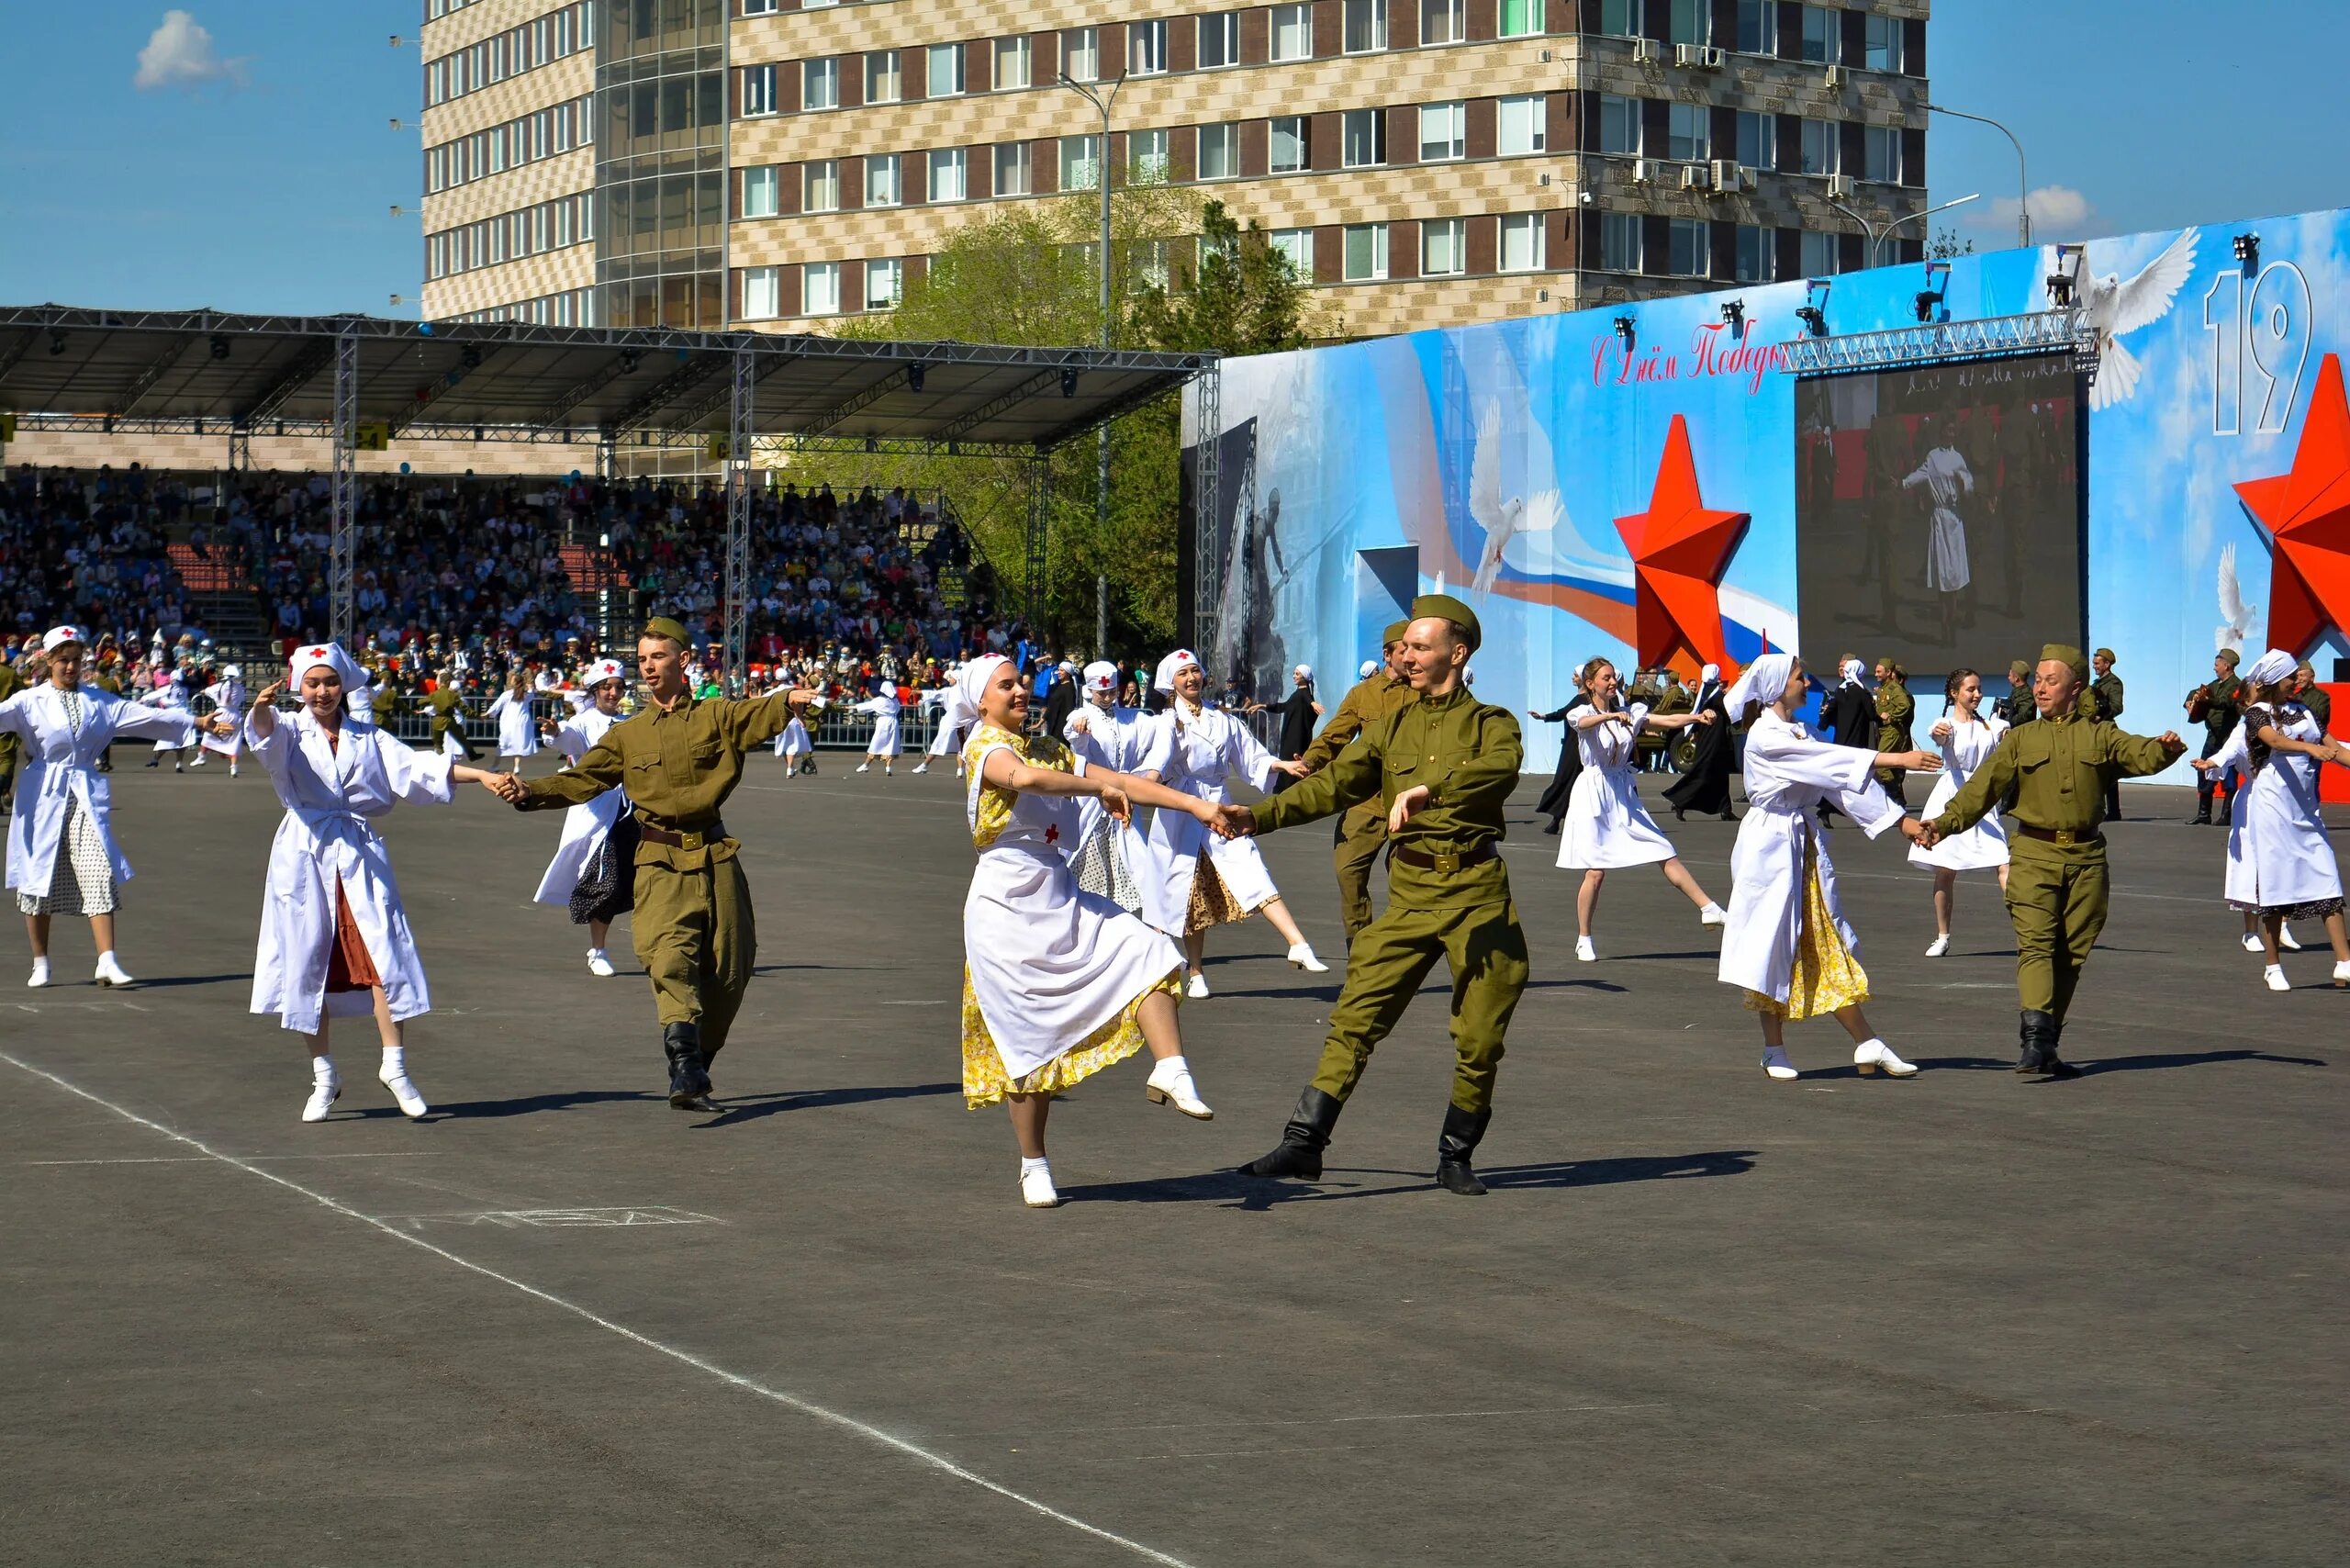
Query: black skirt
point(607, 886)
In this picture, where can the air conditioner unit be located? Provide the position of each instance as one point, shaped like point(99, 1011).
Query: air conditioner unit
point(1712, 59)
point(1688, 54)
point(1644, 51)
point(1839, 187)
point(1835, 77)
point(1644, 170)
point(1693, 177)
point(1726, 176)
point(1745, 177)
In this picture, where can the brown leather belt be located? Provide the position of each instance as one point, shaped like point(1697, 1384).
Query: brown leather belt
point(1445, 863)
point(663, 836)
point(2062, 836)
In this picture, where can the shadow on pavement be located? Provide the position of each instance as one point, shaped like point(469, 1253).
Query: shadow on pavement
point(170, 980)
point(733, 1112)
point(1256, 1193)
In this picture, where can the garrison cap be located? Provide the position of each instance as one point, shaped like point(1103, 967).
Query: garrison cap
point(1445, 607)
point(2066, 655)
point(2107, 655)
point(1395, 634)
point(2232, 657)
point(662, 626)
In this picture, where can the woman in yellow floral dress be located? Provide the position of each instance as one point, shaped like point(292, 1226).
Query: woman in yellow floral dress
point(1057, 983)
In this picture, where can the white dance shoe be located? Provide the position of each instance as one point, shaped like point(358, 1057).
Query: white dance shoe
point(200, 761)
point(1871, 1055)
point(922, 768)
point(41, 974)
point(110, 972)
point(598, 964)
point(1171, 1084)
point(864, 766)
point(1776, 1063)
point(2252, 943)
point(1713, 914)
point(396, 1079)
point(2341, 976)
point(1302, 955)
point(2286, 939)
point(1036, 1188)
point(1940, 945)
point(2274, 978)
point(323, 1095)
point(1584, 952)
point(1196, 987)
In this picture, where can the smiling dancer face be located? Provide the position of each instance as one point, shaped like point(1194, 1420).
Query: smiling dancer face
point(65, 662)
point(1189, 681)
point(607, 695)
point(1003, 701)
point(322, 695)
point(1600, 680)
point(1964, 690)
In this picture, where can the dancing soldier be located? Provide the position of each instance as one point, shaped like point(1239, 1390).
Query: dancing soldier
point(1359, 833)
point(2057, 890)
point(334, 939)
point(61, 855)
point(1442, 770)
point(593, 873)
point(2107, 693)
point(1115, 738)
point(1788, 947)
point(2216, 705)
point(680, 756)
point(1057, 983)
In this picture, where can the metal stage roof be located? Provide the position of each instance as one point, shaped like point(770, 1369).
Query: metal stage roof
point(169, 369)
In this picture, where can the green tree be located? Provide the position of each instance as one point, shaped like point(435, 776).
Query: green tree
point(1946, 244)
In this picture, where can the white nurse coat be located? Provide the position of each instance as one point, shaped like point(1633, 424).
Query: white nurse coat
point(884, 709)
point(517, 736)
point(58, 762)
point(2278, 854)
point(584, 826)
point(1198, 755)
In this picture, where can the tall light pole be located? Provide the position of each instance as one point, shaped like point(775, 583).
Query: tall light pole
point(1103, 102)
point(2023, 185)
point(1878, 236)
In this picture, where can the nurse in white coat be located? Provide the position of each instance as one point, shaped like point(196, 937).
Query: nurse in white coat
point(1788, 947)
point(2281, 863)
point(1967, 738)
point(518, 736)
point(1607, 825)
point(1200, 879)
point(942, 741)
point(1058, 984)
point(61, 855)
point(793, 745)
point(334, 940)
point(882, 707)
point(1118, 738)
point(170, 694)
point(226, 696)
point(593, 873)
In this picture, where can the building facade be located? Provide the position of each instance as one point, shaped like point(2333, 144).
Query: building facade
point(1423, 162)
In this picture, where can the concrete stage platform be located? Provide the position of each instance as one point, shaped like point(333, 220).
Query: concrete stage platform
point(1703, 1318)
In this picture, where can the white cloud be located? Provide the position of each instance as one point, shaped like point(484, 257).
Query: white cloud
point(2061, 209)
point(180, 54)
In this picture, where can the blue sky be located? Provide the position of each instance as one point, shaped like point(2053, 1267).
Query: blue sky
point(262, 178)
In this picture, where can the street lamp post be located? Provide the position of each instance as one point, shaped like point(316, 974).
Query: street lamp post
point(2023, 184)
point(1102, 102)
point(1878, 236)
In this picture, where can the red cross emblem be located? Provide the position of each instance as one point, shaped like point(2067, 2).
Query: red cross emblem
point(1052, 832)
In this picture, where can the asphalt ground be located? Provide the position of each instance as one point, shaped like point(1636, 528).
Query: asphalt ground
point(1703, 1318)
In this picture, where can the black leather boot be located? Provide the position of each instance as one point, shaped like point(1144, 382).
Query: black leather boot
point(2051, 1063)
point(2227, 810)
point(2037, 1036)
point(1303, 1141)
point(1462, 1129)
point(2202, 803)
point(688, 1079)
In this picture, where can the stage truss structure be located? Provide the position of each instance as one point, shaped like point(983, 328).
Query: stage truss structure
point(1937, 342)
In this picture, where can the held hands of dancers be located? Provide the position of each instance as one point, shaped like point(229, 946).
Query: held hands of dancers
point(1921, 833)
point(1231, 821)
point(506, 787)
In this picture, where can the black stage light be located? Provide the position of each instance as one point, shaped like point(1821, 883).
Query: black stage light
point(56, 342)
point(2247, 248)
point(1814, 320)
point(1734, 318)
point(1069, 382)
point(1628, 329)
point(219, 346)
point(914, 374)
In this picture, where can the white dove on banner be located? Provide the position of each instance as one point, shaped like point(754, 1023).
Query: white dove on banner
point(2236, 614)
point(2114, 308)
point(1502, 521)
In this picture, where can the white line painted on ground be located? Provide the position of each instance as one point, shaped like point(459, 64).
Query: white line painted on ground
point(790, 1401)
point(200, 1159)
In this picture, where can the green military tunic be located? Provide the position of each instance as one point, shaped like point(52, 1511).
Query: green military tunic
point(10, 684)
point(692, 925)
point(2057, 769)
point(447, 706)
point(2107, 690)
point(386, 703)
point(1896, 710)
point(1467, 753)
point(1363, 829)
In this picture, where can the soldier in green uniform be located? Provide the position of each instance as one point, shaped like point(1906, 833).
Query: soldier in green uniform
point(447, 706)
point(1362, 829)
point(2056, 892)
point(10, 684)
point(679, 759)
point(2216, 705)
point(1441, 768)
point(384, 678)
point(2105, 702)
point(1894, 710)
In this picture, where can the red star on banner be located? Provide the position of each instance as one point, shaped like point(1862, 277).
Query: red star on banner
point(2307, 514)
point(1680, 548)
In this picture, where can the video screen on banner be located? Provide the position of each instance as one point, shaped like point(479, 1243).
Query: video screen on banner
point(1938, 515)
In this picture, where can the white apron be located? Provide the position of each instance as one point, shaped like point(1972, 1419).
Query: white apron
point(793, 741)
point(584, 826)
point(58, 761)
point(227, 696)
point(884, 726)
point(516, 735)
point(1607, 825)
point(1198, 756)
point(1050, 963)
point(2278, 854)
point(1116, 739)
point(329, 794)
point(1984, 847)
point(1788, 774)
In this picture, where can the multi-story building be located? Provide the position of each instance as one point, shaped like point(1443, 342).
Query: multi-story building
point(1427, 163)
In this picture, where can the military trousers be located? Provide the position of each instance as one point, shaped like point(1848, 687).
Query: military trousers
point(1485, 947)
point(695, 939)
point(2056, 898)
point(1361, 835)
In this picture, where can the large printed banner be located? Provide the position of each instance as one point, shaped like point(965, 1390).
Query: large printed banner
point(1647, 482)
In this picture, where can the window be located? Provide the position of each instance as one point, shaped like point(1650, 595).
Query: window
point(1444, 132)
point(1364, 257)
point(1880, 154)
point(760, 7)
point(758, 90)
point(1686, 242)
point(881, 81)
point(1757, 27)
point(1823, 34)
point(820, 285)
point(1444, 21)
point(1146, 160)
point(1819, 253)
point(1154, 260)
point(882, 187)
point(1620, 19)
point(1012, 168)
point(944, 71)
point(1012, 62)
point(1521, 19)
point(1758, 140)
point(1293, 32)
point(947, 174)
point(1521, 248)
point(1688, 132)
point(1819, 147)
point(1296, 247)
point(1752, 254)
point(1286, 144)
point(1691, 22)
point(1619, 242)
point(1362, 138)
point(1521, 126)
point(1881, 42)
point(1080, 165)
point(1620, 124)
point(1219, 40)
point(1364, 25)
point(819, 84)
point(885, 284)
point(1146, 48)
point(1444, 246)
point(1219, 152)
point(823, 193)
point(1081, 54)
point(761, 293)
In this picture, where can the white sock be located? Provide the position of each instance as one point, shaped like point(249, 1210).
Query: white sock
point(322, 1071)
point(395, 1058)
point(1039, 1163)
